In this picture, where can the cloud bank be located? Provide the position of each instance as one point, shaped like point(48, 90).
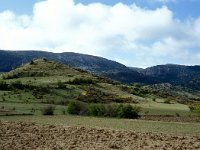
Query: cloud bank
point(126, 33)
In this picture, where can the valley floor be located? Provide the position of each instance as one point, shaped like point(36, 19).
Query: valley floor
point(32, 136)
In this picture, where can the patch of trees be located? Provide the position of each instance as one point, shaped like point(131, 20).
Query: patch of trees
point(80, 81)
point(103, 110)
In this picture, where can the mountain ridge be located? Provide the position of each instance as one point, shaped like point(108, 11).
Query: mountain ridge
point(186, 76)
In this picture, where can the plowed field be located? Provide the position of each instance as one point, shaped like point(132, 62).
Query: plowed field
point(18, 136)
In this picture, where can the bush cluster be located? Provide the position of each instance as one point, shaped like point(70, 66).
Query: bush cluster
point(49, 110)
point(167, 101)
point(109, 110)
point(17, 84)
point(61, 85)
point(3, 85)
point(195, 108)
point(81, 81)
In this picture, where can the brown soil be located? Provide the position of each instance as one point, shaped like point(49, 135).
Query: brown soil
point(18, 136)
point(170, 118)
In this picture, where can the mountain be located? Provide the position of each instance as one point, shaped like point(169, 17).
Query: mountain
point(129, 77)
point(176, 75)
point(186, 76)
point(94, 64)
point(12, 59)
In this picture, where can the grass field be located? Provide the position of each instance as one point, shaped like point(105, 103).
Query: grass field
point(170, 128)
point(35, 109)
point(150, 107)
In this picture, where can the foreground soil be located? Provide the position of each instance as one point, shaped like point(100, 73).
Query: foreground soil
point(17, 136)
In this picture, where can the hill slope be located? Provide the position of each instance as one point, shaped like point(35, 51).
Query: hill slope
point(52, 82)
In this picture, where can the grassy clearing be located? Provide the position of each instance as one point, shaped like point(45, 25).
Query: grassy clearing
point(181, 129)
point(35, 109)
point(150, 107)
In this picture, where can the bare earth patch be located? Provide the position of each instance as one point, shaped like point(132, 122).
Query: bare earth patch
point(17, 136)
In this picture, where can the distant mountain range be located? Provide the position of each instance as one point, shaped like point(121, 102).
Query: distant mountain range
point(178, 75)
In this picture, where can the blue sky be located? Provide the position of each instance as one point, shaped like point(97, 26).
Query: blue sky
point(138, 33)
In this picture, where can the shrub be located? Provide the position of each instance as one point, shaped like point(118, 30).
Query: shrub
point(177, 114)
point(191, 107)
point(128, 111)
point(196, 109)
point(61, 85)
point(63, 112)
point(3, 85)
point(32, 62)
point(80, 81)
point(49, 110)
point(167, 101)
point(111, 110)
point(33, 110)
point(17, 84)
point(154, 99)
point(96, 109)
point(74, 108)
point(45, 59)
point(3, 98)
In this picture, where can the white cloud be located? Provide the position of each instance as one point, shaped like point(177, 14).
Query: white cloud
point(129, 34)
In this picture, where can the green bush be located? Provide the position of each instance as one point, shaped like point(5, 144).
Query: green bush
point(195, 108)
point(32, 62)
point(80, 81)
point(74, 108)
point(17, 84)
point(96, 109)
point(111, 110)
point(167, 101)
point(3, 85)
point(61, 85)
point(128, 111)
point(49, 110)
point(154, 99)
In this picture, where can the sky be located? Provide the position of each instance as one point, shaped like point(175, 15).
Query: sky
point(137, 33)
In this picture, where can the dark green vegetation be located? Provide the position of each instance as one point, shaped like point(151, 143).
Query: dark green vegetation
point(49, 110)
point(110, 110)
point(195, 108)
